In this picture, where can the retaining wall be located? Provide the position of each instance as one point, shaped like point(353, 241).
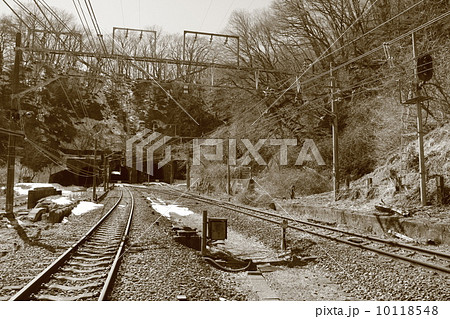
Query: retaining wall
point(419, 229)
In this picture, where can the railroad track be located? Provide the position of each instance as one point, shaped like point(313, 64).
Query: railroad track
point(86, 271)
point(416, 255)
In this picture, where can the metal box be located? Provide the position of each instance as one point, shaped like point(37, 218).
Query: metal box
point(217, 228)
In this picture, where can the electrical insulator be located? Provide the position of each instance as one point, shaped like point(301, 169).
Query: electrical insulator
point(425, 67)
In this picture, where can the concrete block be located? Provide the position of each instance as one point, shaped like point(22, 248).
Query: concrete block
point(34, 195)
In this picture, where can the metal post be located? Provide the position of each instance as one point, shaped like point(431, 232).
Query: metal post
point(228, 170)
point(104, 174)
point(188, 172)
point(284, 225)
point(107, 173)
point(171, 171)
point(334, 111)
point(440, 189)
point(422, 170)
point(204, 230)
point(11, 157)
point(184, 46)
point(11, 163)
point(94, 180)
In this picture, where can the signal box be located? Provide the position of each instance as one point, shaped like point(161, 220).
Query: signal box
point(217, 228)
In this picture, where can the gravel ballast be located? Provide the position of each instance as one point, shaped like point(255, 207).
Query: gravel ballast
point(155, 267)
point(356, 274)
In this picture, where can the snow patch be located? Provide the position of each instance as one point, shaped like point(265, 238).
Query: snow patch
point(23, 188)
point(84, 207)
point(169, 210)
point(62, 201)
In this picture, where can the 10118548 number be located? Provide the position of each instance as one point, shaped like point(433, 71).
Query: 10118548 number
point(407, 310)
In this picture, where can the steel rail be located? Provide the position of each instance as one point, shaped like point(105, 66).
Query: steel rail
point(239, 209)
point(368, 237)
point(44, 275)
point(116, 263)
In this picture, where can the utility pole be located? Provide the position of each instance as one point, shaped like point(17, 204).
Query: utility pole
point(228, 170)
point(422, 170)
point(334, 131)
point(94, 180)
point(11, 157)
point(105, 188)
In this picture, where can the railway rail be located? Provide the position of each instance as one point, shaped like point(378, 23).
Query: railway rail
point(86, 271)
point(417, 255)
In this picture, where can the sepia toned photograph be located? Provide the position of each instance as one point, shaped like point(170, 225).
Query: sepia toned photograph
point(232, 150)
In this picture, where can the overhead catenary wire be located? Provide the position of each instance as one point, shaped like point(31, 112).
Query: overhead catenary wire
point(84, 24)
point(375, 78)
point(327, 72)
point(46, 27)
point(381, 47)
point(321, 58)
point(206, 14)
point(65, 26)
point(370, 31)
point(59, 162)
point(16, 14)
point(58, 79)
point(226, 14)
point(323, 53)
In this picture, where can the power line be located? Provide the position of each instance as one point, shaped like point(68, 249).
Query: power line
point(226, 14)
point(408, 33)
point(206, 14)
point(370, 31)
point(334, 42)
point(123, 16)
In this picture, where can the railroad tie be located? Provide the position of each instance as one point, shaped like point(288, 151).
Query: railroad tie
point(72, 288)
point(97, 254)
point(81, 264)
point(61, 298)
point(94, 252)
point(82, 271)
point(68, 278)
point(99, 246)
point(91, 259)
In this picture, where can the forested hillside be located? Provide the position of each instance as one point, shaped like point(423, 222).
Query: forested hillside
point(281, 88)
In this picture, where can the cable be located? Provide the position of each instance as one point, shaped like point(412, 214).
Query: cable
point(206, 14)
point(157, 83)
point(226, 14)
point(123, 16)
point(424, 25)
point(86, 29)
point(16, 14)
point(57, 161)
point(217, 265)
point(371, 30)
